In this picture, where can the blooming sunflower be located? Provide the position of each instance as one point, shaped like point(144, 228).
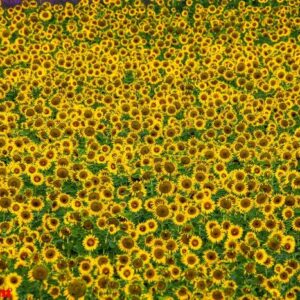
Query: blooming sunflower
point(195, 242)
point(90, 242)
point(260, 256)
point(50, 254)
point(235, 232)
point(75, 290)
point(126, 273)
point(13, 280)
point(215, 234)
point(190, 259)
point(38, 272)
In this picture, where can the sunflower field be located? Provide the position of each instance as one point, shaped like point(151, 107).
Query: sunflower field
point(150, 149)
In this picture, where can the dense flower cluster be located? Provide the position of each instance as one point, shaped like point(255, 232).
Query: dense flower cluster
point(150, 150)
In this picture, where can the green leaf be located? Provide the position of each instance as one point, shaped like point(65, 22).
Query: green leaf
point(120, 180)
point(103, 139)
point(95, 168)
point(70, 187)
point(31, 134)
point(129, 77)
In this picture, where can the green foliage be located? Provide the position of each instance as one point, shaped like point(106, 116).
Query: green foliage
point(234, 164)
point(38, 190)
point(95, 168)
point(31, 134)
point(12, 94)
point(119, 180)
point(70, 187)
point(129, 77)
point(103, 139)
point(36, 91)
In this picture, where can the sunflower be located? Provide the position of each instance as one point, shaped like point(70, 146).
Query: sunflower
point(190, 259)
point(50, 254)
point(151, 225)
point(289, 244)
point(296, 224)
point(245, 205)
point(162, 212)
point(260, 256)
point(106, 270)
point(256, 225)
point(287, 213)
point(183, 293)
point(244, 154)
point(210, 256)
point(54, 292)
point(192, 212)
point(14, 280)
point(158, 254)
point(195, 242)
point(85, 267)
point(75, 290)
point(36, 204)
point(296, 183)
point(135, 204)
point(150, 275)
point(185, 183)
point(137, 188)
point(169, 167)
point(142, 229)
point(215, 234)
point(25, 216)
point(90, 242)
point(235, 232)
point(283, 277)
point(38, 272)
point(165, 187)
point(175, 272)
point(53, 223)
point(217, 294)
point(126, 273)
point(179, 218)
point(15, 182)
point(218, 275)
point(126, 244)
point(239, 188)
point(5, 204)
point(45, 15)
point(207, 206)
point(225, 154)
point(171, 245)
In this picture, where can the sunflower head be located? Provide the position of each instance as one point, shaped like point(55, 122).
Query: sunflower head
point(39, 273)
point(77, 288)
